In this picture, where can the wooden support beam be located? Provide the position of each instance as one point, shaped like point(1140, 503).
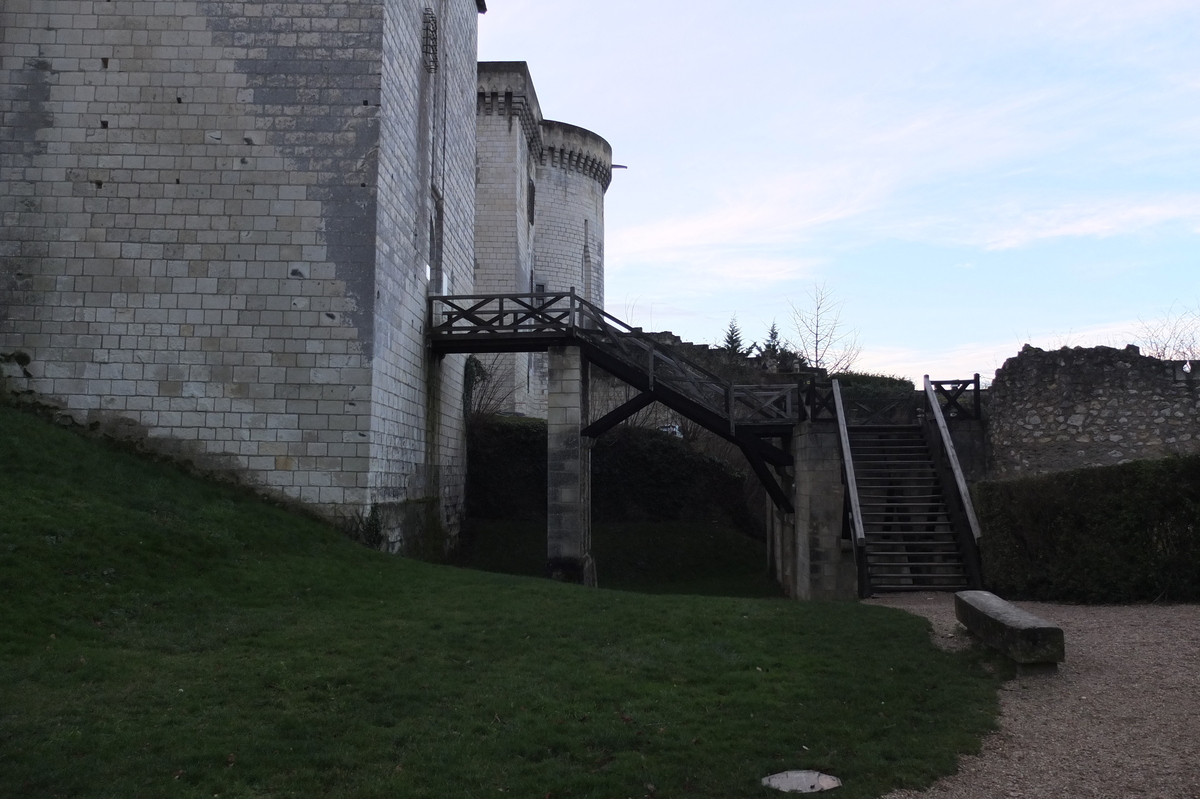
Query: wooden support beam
point(777, 494)
point(616, 416)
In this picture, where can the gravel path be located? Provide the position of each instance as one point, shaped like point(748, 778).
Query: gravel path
point(1121, 718)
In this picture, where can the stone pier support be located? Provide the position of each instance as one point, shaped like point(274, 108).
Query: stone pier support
point(818, 565)
point(569, 468)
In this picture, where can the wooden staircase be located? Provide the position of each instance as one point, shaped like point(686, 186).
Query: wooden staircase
point(911, 541)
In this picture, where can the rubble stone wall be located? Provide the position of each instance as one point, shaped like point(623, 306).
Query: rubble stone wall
point(1074, 408)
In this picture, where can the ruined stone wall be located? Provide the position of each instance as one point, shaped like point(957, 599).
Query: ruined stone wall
point(190, 196)
point(1074, 408)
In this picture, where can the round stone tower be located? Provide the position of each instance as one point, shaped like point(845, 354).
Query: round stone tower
point(572, 176)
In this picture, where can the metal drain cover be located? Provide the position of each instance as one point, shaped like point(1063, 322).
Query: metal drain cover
point(801, 782)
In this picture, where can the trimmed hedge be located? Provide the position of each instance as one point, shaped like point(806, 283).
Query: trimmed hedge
point(1127, 533)
point(637, 475)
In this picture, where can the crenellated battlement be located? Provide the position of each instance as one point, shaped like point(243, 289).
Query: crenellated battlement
point(506, 89)
point(578, 150)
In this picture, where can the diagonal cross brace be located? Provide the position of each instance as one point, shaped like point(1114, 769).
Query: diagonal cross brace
point(616, 416)
point(774, 490)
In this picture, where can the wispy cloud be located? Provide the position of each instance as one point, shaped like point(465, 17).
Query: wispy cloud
point(985, 357)
point(1099, 220)
point(889, 136)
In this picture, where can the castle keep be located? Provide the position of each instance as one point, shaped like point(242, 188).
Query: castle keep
point(221, 222)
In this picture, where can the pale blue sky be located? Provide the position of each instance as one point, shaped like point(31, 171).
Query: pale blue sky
point(965, 176)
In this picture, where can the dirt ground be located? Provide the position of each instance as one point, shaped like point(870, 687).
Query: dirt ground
point(1121, 718)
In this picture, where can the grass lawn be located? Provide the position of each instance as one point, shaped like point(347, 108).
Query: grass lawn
point(162, 636)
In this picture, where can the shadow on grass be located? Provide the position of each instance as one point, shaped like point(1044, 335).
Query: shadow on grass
point(673, 557)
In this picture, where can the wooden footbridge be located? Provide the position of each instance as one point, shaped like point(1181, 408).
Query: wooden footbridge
point(907, 514)
point(759, 419)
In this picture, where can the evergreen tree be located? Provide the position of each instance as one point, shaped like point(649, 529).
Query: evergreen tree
point(733, 340)
point(773, 345)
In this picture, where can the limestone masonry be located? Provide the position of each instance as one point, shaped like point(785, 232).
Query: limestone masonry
point(220, 223)
point(539, 214)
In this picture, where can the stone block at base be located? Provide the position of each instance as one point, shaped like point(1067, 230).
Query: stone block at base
point(1017, 633)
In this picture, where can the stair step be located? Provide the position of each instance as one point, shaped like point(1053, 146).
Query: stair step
point(948, 564)
point(902, 508)
point(913, 498)
point(888, 446)
point(952, 570)
point(885, 467)
point(875, 545)
point(916, 445)
point(873, 553)
point(946, 534)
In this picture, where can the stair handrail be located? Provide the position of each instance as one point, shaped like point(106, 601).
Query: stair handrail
point(860, 535)
point(951, 456)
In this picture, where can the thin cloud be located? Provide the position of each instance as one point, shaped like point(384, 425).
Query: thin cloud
point(985, 357)
point(1096, 220)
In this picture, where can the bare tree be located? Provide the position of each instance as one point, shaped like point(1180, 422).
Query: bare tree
point(1172, 336)
point(823, 340)
point(483, 392)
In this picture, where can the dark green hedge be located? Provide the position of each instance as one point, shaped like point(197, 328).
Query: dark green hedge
point(1128, 533)
point(864, 385)
point(506, 459)
point(637, 475)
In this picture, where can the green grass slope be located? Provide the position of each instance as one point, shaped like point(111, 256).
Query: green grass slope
point(162, 636)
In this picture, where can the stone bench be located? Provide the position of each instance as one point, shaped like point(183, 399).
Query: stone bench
point(1025, 638)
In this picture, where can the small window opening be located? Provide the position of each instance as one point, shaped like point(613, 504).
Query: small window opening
point(104, 123)
point(104, 63)
point(531, 199)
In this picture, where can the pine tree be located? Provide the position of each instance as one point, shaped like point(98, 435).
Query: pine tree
point(733, 340)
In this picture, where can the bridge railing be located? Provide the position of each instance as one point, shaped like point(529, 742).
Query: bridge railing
point(476, 317)
point(950, 395)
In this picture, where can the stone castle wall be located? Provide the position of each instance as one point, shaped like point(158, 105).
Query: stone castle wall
point(1075, 408)
point(572, 176)
point(190, 194)
point(425, 245)
point(508, 137)
point(539, 214)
